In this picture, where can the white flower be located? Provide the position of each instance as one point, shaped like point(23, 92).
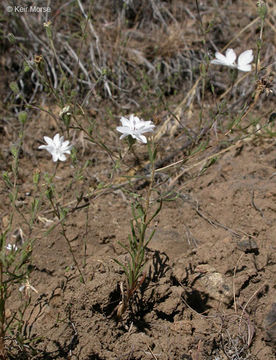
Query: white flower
point(11, 247)
point(27, 286)
point(57, 147)
point(65, 111)
point(47, 24)
point(135, 128)
point(229, 59)
point(244, 60)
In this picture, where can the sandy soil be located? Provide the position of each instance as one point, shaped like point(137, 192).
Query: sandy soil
point(210, 286)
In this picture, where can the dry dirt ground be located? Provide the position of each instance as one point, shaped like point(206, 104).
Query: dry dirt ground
point(210, 286)
point(210, 290)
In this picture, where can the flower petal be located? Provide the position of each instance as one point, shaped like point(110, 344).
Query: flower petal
point(65, 143)
point(220, 59)
point(57, 140)
point(244, 60)
point(141, 138)
point(124, 121)
point(67, 151)
point(55, 157)
point(43, 147)
point(123, 136)
point(48, 140)
point(245, 68)
point(62, 157)
point(123, 129)
point(230, 56)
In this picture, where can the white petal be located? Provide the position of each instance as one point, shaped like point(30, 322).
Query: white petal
point(123, 129)
point(137, 120)
point(56, 140)
point(217, 62)
point(66, 148)
point(124, 121)
point(132, 121)
point(146, 128)
point(220, 59)
point(230, 56)
point(50, 148)
point(32, 288)
point(141, 138)
point(48, 140)
point(132, 117)
point(55, 157)
point(141, 125)
point(244, 60)
point(62, 157)
point(246, 67)
point(43, 147)
point(123, 136)
point(246, 57)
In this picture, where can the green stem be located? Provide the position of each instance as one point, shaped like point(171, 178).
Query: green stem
point(72, 253)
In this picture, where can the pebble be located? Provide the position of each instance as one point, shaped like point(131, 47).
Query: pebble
point(248, 245)
point(270, 323)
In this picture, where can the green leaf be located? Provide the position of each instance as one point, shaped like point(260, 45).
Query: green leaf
point(22, 117)
point(14, 87)
point(11, 38)
point(7, 180)
point(150, 237)
point(26, 67)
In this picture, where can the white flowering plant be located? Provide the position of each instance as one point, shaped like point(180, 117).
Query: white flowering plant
point(57, 147)
point(59, 211)
point(229, 59)
point(135, 127)
point(138, 240)
point(83, 120)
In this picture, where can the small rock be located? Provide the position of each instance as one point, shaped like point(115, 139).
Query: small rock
point(180, 273)
point(214, 283)
point(5, 221)
point(270, 324)
point(248, 246)
point(168, 307)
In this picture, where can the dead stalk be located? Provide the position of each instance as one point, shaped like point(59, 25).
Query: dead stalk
point(2, 316)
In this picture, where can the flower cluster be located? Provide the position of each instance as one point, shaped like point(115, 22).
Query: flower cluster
point(243, 63)
point(135, 127)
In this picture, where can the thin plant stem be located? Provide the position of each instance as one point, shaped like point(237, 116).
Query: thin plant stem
point(72, 253)
point(2, 315)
